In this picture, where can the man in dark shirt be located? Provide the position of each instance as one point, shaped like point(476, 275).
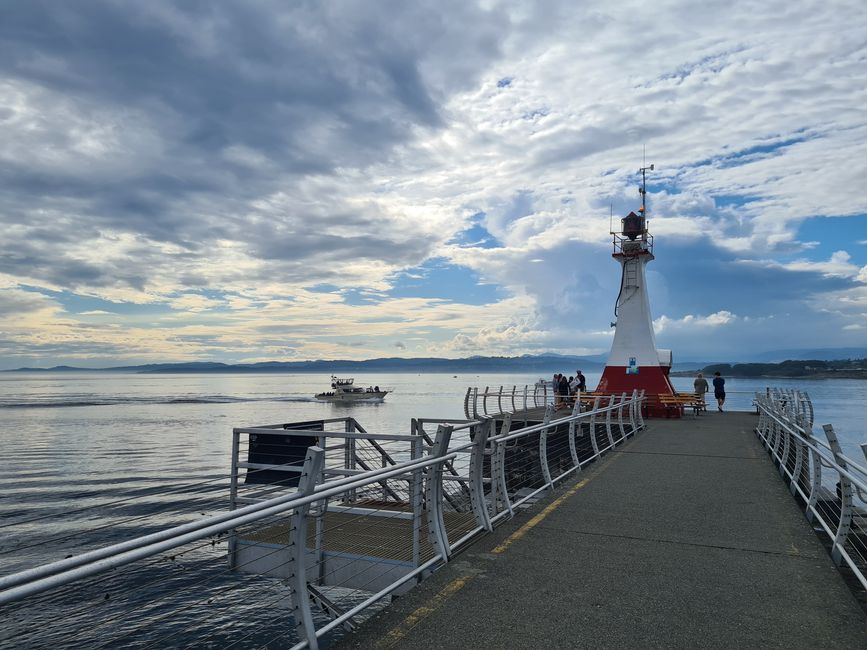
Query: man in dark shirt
point(719, 390)
point(582, 382)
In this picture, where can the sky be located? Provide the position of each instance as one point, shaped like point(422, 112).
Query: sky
point(240, 182)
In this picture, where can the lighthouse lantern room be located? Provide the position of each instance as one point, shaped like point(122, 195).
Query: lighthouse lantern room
point(634, 362)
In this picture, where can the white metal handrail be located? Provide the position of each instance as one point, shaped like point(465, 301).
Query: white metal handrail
point(785, 428)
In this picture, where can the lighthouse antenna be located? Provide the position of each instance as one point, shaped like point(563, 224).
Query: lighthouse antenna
point(643, 189)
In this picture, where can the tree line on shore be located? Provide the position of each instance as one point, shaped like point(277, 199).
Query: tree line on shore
point(844, 368)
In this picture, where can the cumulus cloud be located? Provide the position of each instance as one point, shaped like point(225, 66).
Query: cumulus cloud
point(837, 266)
point(689, 321)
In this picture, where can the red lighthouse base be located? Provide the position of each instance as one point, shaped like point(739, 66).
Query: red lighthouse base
point(653, 380)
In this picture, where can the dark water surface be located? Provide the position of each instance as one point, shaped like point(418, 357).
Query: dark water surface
point(90, 459)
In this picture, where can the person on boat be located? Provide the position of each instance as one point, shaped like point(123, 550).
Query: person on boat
point(376, 389)
point(719, 390)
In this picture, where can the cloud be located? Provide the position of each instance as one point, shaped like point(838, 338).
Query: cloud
point(838, 266)
point(218, 163)
point(717, 319)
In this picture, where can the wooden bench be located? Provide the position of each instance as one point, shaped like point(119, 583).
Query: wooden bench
point(682, 401)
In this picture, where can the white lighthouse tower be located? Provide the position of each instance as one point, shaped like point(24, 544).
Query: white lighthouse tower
point(634, 361)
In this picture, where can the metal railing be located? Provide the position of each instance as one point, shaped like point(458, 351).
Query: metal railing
point(502, 399)
point(831, 485)
point(322, 536)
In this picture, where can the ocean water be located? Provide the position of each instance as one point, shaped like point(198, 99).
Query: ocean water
point(90, 459)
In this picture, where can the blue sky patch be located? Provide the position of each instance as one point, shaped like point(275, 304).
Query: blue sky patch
point(437, 278)
point(477, 236)
point(836, 234)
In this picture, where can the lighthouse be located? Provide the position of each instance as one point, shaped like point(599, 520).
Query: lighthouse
point(634, 362)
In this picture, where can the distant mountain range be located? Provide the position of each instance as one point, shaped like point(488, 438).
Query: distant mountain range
point(548, 362)
point(528, 363)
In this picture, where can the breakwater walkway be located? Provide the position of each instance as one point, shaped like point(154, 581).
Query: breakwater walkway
point(683, 537)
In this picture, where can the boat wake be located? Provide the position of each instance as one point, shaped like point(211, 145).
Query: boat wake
point(91, 400)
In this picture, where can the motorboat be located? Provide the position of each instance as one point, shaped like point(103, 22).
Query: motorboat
point(345, 390)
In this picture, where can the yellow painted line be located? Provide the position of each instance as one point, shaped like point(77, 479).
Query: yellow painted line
point(399, 632)
point(424, 611)
point(523, 530)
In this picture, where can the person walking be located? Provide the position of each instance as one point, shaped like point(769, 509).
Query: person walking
point(719, 390)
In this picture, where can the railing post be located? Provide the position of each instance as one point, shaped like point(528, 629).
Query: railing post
point(485, 402)
point(778, 441)
point(477, 485)
point(543, 447)
point(576, 410)
point(233, 497)
point(417, 497)
point(434, 494)
point(845, 524)
point(593, 441)
point(467, 403)
point(632, 402)
point(610, 429)
point(799, 453)
point(772, 431)
point(498, 470)
point(808, 404)
point(641, 409)
point(525, 396)
point(787, 438)
point(475, 403)
point(815, 483)
point(514, 390)
point(302, 613)
point(351, 453)
point(620, 418)
point(500, 400)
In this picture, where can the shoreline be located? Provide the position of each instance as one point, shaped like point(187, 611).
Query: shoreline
point(819, 375)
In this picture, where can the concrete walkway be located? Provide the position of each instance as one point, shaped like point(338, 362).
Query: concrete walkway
point(684, 538)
